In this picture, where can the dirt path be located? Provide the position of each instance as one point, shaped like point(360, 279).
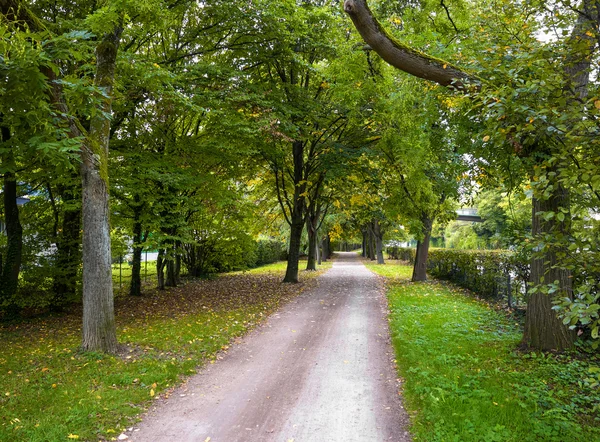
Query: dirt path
point(320, 370)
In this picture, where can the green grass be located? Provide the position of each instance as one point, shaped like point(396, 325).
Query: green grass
point(280, 267)
point(465, 381)
point(49, 391)
point(122, 278)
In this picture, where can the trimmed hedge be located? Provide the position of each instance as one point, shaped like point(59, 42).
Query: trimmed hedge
point(491, 274)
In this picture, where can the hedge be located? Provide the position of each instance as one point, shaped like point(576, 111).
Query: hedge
point(491, 274)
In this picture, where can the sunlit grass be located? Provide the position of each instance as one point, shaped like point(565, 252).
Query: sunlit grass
point(465, 381)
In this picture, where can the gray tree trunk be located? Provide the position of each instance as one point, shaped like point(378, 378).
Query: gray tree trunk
point(99, 330)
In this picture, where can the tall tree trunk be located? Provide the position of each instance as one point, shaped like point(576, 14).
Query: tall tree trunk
point(543, 329)
point(378, 241)
point(371, 243)
point(291, 273)
point(311, 228)
point(11, 262)
point(160, 269)
point(319, 250)
point(364, 243)
point(68, 248)
point(326, 248)
point(171, 269)
point(420, 266)
point(135, 288)
point(297, 215)
point(99, 329)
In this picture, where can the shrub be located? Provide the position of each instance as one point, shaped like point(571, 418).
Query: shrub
point(492, 274)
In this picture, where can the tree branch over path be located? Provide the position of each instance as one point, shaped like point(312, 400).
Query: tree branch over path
point(400, 55)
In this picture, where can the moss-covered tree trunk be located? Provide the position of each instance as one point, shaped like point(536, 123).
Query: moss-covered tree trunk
point(99, 330)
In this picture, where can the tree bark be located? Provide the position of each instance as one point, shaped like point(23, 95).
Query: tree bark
point(11, 264)
point(99, 330)
point(326, 248)
point(312, 221)
point(371, 242)
point(297, 215)
point(135, 289)
point(420, 266)
point(543, 329)
point(378, 234)
point(364, 243)
point(402, 56)
point(160, 269)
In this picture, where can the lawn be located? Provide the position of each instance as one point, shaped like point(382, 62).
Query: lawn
point(50, 391)
point(465, 380)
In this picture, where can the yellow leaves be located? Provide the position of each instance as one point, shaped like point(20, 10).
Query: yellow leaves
point(73, 436)
point(45, 369)
point(152, 392)
point(589, 34)
point(597, 104)
point(444, 66)
point(486, 138)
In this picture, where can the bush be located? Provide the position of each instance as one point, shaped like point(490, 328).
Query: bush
point(401, 253)
point(492, 274)
point(269, 251)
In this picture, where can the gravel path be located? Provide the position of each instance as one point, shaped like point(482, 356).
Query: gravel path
point(320, 370)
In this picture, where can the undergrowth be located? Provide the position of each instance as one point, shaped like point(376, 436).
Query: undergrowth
point(465, 380)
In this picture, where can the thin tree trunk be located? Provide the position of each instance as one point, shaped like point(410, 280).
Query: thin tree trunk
point(420, 265)
point(160, 269)
point(311, 228)
point(171, 269)
point(371, 243)
point(99, 330)
point(135, 289)
point(378, 241)
point(318, 251)
point(11, 264)
point(68, 245)
point(364, 243)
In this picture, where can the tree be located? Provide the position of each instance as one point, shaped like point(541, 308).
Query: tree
point(543, 329)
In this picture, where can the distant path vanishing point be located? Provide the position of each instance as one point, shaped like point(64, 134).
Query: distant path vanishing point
point(319, 370)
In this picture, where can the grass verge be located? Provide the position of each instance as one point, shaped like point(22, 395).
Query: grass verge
point(465, 381)
point(49, 391)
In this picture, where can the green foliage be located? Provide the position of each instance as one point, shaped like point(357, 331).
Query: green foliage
point(463, 380)
point(269, 251)
point(485, 272)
